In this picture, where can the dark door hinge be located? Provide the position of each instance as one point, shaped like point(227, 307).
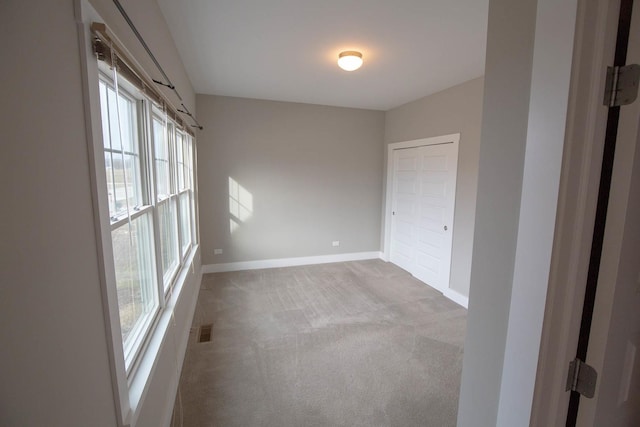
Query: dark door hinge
point(581, 378)
point(621, 87)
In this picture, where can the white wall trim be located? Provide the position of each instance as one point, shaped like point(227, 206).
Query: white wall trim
point(84, 15)
point(289, 262)
point(454, 296)
point(131, 393)
point(457, 297)
point(546, 127)
point(594, 49)
point(182, 342)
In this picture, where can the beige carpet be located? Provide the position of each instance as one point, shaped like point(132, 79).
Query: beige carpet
point(346, 344)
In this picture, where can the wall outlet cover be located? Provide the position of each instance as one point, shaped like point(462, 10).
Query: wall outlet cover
point(217, 251)
point(335, 243)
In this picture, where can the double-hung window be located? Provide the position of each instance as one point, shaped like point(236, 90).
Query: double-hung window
point(131, 214)
point(184, 155)
point(166, 198)
point(142, 153)
point(148, 165)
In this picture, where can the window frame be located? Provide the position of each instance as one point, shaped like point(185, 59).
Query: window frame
point(130, 390)
point(185, 247)
point(185, 168)
point(168, 278)
point(146, 110)
point(127, 91)
point(134, 346)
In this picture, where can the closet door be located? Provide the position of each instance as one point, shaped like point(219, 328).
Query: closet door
point(424, 183)
point(436, 203)
point(405, 207)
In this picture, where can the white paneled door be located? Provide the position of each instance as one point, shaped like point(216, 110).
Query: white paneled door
point(406, 189)
point(424, 184)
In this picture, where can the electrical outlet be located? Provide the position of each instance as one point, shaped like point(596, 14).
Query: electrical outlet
point(335, 243)
point(217, 251)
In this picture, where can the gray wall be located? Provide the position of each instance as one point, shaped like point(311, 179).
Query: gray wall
point(528, 63)
point(55, 368)
point(506, 108)
point(457, 109)
point(314, 173)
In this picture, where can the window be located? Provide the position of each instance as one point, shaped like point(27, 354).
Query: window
point(121, 149)
point(166, 197)
point(185, 185)
point(149, 175)
point(131, 217)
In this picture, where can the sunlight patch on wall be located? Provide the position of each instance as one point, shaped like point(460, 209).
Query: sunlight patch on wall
point(240, 205)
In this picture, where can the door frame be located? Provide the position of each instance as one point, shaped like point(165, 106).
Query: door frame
point(596, 29)
point(454, 139)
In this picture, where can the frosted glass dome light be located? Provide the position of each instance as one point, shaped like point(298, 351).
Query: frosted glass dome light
point(350, 60)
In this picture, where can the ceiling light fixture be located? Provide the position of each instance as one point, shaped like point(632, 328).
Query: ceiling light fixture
point(350, 60)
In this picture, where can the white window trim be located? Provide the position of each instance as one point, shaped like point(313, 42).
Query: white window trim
point(133, 348)
point(185, 253)
point(129, 391)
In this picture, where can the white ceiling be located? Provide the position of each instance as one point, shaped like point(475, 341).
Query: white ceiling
point(287, 50)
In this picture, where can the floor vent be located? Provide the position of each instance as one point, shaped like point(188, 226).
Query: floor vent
point(205, 333)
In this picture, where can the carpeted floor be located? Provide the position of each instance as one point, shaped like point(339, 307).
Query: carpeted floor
point(346, 344)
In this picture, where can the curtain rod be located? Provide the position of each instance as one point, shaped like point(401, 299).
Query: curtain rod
point(104, 42)
point(168, 83)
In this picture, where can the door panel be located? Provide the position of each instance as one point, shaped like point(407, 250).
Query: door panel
point(435, 222)
point(434, 162)
point(405, 208)
point(423, 207)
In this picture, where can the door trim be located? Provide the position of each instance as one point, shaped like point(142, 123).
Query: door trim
point(596, 29)
point(596, 253)
point(436, 140)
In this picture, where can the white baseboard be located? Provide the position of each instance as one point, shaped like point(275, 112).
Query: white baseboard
point(454, 296)
point(289, 262)
point(457, 297)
